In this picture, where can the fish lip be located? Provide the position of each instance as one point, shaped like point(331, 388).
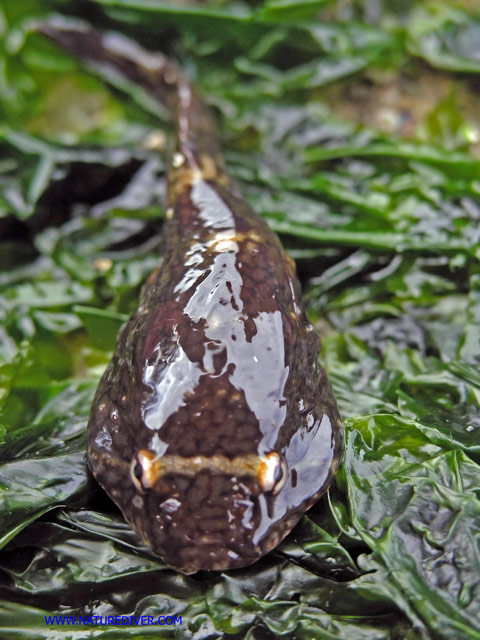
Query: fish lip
point(211, 557)
point(218, 562)
point(217, 547)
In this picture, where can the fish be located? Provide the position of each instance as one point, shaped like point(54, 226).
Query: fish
point(214, 427)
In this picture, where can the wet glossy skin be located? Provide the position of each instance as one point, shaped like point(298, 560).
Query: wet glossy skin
point(214, 427)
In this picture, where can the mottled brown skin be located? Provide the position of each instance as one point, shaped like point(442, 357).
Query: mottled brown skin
point(214, 427)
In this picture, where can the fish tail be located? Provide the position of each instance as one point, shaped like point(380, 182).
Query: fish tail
point(196, 136)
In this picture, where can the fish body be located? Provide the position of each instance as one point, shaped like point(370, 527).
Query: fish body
point(214, 427)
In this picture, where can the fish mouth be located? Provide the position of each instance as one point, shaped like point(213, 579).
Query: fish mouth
point(210, 557)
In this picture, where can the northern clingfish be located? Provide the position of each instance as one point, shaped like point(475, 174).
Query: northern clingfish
point(214, 427)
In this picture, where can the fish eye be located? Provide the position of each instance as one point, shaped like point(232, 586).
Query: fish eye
point(143, 469)
point(273, 473)
point(137, 471)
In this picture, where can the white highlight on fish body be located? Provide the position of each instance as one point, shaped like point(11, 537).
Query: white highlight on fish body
point(178, 159)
